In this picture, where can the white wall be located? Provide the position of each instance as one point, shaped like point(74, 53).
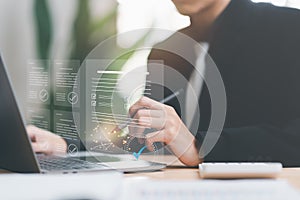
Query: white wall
point(17, 37)
point(288, 3)
point(17, 40)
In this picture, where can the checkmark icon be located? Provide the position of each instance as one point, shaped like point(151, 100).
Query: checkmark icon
point(73, 98)
point(137, 155)
point(72, 149)
point(44, 95)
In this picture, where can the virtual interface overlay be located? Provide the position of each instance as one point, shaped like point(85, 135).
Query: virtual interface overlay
point(87, 104)
point(109, 95)
point(51, 102)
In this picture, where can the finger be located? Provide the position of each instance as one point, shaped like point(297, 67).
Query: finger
point(149, 122)
point(142, 123)
point(144, 102)
point(150, 113)
point(36, 147)
point(151, 138)
point(138, 124)
point(150, 118)
point(41, 147)
point(136, 130)
point(32, 131)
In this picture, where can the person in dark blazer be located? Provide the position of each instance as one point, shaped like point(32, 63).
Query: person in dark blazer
point(256, 47)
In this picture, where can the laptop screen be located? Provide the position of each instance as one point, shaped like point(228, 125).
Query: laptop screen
point(15, 150)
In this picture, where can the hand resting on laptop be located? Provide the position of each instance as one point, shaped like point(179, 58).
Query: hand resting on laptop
point(43, 141)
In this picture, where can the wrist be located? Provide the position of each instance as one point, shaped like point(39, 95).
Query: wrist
point(183, 146)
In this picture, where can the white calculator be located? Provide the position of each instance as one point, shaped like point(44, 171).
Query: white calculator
point(239, 170)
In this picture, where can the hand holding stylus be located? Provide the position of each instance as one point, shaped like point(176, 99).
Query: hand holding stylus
point(170, 130)
point(131, 121)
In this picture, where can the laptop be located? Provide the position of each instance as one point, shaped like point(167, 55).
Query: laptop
point(17, 155)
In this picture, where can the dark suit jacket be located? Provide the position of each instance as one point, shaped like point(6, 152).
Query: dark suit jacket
point(256, 48)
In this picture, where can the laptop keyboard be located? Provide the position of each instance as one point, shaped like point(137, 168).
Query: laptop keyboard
point(56, 163)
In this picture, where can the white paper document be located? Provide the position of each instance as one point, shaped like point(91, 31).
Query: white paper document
point(114, 186)
point(101, 185)
point(210, 190)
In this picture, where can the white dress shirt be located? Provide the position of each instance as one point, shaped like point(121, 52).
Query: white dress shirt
point(195, 84)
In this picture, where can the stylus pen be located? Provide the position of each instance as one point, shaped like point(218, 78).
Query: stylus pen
point(165, 100)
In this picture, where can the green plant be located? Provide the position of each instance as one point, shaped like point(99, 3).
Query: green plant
point(44, 31)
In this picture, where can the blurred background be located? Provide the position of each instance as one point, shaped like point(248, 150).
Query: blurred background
point(70, 29)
